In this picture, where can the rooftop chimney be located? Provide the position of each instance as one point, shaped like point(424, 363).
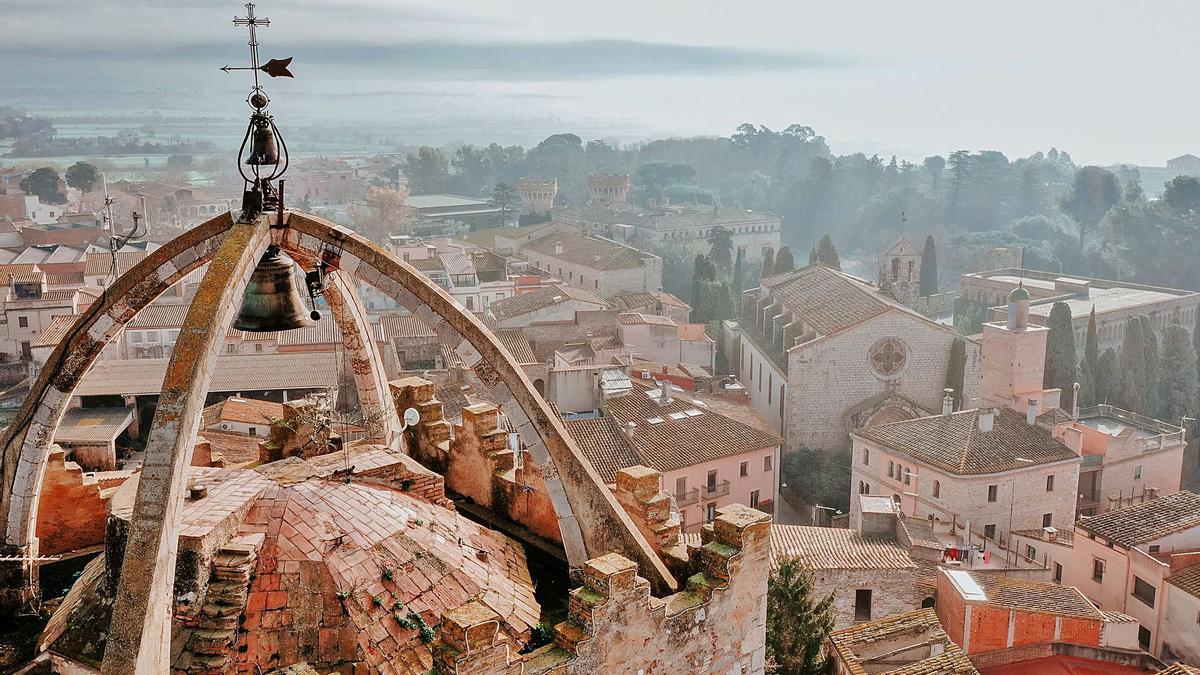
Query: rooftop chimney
point(629, 429)
point(986, 419)
point(1031, 411)
point(664, 392)
point(558, 247)
point(948, 402)
point(1075, 400)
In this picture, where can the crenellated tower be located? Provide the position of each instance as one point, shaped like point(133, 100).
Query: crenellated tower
point(608, 187)
point(537, 195)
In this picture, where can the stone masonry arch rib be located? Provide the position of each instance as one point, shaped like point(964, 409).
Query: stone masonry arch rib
point(27, 443)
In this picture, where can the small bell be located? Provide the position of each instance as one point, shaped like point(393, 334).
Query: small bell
point(263, 149)
point(271, 302)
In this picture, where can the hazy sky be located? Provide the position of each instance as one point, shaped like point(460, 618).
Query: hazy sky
point(1107, 81)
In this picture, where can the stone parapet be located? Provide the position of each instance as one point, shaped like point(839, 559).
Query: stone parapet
point(653, 511)
point(717, 624)
point(429, 441)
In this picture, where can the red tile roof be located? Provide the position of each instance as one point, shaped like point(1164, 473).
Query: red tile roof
point(1141, 523)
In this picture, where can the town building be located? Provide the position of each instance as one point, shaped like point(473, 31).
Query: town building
point(1181, 610)
point(1185, 162)
point(557, 302)
point(443, 208)
point(657, 303)
point(905, 644)
point(588, 262)
point(657, 338)
point(1115, 302)
point(537, 195)
point(1122, 561)
point(823, 353)
point(710, 454)
point(689, 226)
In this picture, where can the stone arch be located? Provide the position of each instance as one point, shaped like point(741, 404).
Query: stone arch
point(573, 484)
point(539, 385)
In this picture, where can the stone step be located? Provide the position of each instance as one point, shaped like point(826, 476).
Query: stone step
point(212, 610)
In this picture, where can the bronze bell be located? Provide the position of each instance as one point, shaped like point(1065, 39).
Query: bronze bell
point(271, 302)
point(263, 149)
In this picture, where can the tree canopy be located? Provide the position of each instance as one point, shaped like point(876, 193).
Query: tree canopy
point(44, 183)
point(82, 176)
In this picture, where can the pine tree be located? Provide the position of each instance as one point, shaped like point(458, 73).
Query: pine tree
point(1060, 354)
point(1089, 366)
point(768, 267)
point(1109, 383)
point(783, 261)
point(1178, 388)
point(1133, 368)
point(827, 253)
point(956, 369)
point(1150, 344)
point(929, 270)
point(797, 622)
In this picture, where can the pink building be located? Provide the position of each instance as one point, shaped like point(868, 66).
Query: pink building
point(711, 452)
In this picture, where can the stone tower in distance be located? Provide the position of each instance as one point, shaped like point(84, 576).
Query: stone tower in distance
point(900, 272)
point(608, 187)
point(537, 195)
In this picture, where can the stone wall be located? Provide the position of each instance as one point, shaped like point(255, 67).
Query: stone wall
point(716, 625)
point(892, 592)
point(429, 440)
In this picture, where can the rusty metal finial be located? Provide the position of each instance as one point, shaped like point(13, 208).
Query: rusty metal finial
point(265, 143)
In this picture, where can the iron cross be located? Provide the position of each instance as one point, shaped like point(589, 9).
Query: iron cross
point(274, 67)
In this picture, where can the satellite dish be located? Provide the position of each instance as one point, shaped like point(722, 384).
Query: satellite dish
point(411, 417)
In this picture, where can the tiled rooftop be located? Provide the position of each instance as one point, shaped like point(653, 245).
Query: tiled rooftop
point(517, 344)
point(1035, 596)
point(55, 331)
point(956, 444)
point(829, 548)
point(1187, 579)
point(1145, 522)
point(233, 373)
point(541, 298)
point(827, 300)
point(591, 252)
point(851, 645)
point(102, 425)
point(242, 410)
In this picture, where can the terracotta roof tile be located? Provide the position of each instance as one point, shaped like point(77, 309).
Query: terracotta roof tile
point(836, 548)
point(585, 251)
point(827, 300)
point(242, 410)
point(1147, 521)
point(1180, 669)
point(83, 425)
point(541, 298)
point(902, 630)
point(1187, 579)
point(956, 444)
point(159, 316)
point(1035, 596)
point(517, 344)
point(405, 326)
point(55, 331)
point(635, 319)
point(603, 445)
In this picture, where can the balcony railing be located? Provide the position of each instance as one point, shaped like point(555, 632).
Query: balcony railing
point(1165, 434)
point(716, 490)
point(687, 497)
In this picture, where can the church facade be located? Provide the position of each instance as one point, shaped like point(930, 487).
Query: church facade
point(822, 353)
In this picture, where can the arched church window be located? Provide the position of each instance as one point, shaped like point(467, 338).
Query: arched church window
point(911, 266)
point(895, 269)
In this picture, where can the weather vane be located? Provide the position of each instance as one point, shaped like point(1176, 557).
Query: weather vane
point(266, 145)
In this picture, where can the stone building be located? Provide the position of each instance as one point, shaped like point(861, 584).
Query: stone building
point(1115, 302)
point(607, 187)
point(537, 195)
point(601, 266)
point(899, 272)
point(822, 353)
point(558, 302)
point(658, 303)
point(690, 226)
point(912, 642)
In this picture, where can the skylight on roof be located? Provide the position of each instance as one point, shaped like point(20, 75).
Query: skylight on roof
point(692, 412)
point(654, 420)
point(677, 415)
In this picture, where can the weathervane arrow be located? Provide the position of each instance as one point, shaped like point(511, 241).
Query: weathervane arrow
point(274, 67)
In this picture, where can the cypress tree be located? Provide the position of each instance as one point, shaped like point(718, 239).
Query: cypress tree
point(1150, 341)
point(827, 253)
point(1089, 366)
point(797, 621)
point(699, 276)
point(1060, 354)
point(812, 255)
point(739, 265)
point(768, 267)
point(956, 369)
point(929, 270)
point(1178, 388)
point(783, 261)
point(1108, 378)
point(1133, 368)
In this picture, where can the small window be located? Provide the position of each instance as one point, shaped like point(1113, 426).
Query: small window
point(1097, 570)
point(1137, 472)
point(866, 455)
point(253, 431)
point(992, 493)
point(680, 487)
point(135, 336)
point(907, 476)
point(710, 513)
point(768, 462)
point(1050, 483)
point(754, 499)
point(862, 604)
point(1030, 552)
point(1154, 549)
point(23, 321)
point(1144, 637)
point(891, 469)
point(989, 532)
point(258, 348)
point(744, 469)
point(1057, 573)
point(229, 349)
point(937, 489)
point(1047, 519)
point(1144, 591)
